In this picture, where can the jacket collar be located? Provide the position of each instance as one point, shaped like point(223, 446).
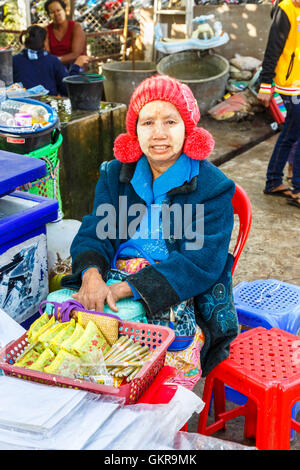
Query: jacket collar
point(34, 54)
point(127, 172)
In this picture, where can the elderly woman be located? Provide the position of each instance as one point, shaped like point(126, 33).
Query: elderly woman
point(173, 257)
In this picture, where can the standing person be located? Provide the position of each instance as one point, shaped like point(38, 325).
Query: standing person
point(35, 66)
point(281, 65)
point(172, 263)
point(66, 38)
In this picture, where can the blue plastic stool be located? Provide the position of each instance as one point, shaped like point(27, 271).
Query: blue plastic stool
point(268, 303)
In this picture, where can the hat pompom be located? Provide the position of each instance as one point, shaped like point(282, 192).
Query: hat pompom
point(198, 144)
point(127, 148)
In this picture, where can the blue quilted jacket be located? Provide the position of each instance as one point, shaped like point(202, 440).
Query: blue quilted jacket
point(186, 272)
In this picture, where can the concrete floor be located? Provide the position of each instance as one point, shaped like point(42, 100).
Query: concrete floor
point(273, 247)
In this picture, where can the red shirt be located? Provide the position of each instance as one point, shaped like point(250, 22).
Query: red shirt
point(63, 47)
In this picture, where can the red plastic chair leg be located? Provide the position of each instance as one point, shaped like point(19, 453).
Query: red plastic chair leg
point(212, 384)
point(219, 398)
point(285, 422)
point(206, 397)
point(267, 431)
point(250, 420)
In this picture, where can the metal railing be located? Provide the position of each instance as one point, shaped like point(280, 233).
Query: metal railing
point(101, 45)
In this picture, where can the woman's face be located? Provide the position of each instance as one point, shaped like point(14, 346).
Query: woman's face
point(56, 12)
point(161, 134)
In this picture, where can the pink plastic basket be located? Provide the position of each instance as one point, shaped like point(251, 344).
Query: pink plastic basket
point(157, 338)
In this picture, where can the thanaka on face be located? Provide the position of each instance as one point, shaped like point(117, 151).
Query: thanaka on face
point(161, 135)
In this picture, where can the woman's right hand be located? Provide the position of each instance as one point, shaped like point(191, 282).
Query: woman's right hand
point(82, 60)
point(265, 98)
point(94, 293)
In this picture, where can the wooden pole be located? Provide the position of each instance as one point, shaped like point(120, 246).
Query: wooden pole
point(132, 35)
point(125, 31)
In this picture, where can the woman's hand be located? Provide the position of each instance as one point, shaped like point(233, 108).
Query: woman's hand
point(120, 290)
point(265, 98)
point(82, 60)
point(94, 293)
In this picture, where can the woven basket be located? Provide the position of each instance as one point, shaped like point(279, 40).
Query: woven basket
point(48, 186)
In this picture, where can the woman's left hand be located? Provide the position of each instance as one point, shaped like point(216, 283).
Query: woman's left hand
point(120, 290)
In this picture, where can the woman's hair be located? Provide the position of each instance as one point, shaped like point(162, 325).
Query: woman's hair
point(34, 37)
point(48, 2)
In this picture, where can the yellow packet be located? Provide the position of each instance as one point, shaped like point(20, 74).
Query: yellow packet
point(81, 321)
point(65, 364)
point(37, 333)
point(39, 347)
point(64, 334)
point(36, 325)
point(66, 345)
point(43, 361)
point(28, 359)
point(90, 341)
point(50, 333)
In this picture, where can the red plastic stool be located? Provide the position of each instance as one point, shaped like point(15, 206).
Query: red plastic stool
point(264, 365)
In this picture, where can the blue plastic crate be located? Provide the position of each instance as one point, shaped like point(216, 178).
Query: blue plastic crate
point(16, 170)
point(23, 252)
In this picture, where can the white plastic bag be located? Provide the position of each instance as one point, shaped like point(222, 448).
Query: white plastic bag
point(245, 63)
point(10, 330)
point(145, 426)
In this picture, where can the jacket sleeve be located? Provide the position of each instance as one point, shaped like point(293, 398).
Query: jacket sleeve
point(60, 73)
point(88, 248)
point(189, 272)
point(278, 34)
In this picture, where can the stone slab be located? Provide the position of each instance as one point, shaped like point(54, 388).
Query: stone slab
point(234, 138)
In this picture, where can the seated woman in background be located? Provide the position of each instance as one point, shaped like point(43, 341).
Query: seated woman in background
point(35, 66)
point(65, 38)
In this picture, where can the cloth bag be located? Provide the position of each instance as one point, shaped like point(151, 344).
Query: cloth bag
point(180, 317)
point(106, 322)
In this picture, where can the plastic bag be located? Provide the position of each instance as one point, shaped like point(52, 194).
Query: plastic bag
point(39, 326)
point(34, 408)
point(90, 341)
point(67, 426)
point(29, 356)
point(146, 426)
point(238, 74)
point(64, 364)
point(90, 367)
point(67, 344)
point(10, 330)
point(39, 113)
point(194, 441)
point(234, 108)
point(245, 63)
point(50, 333)
point(62, 335)
point(43, 360)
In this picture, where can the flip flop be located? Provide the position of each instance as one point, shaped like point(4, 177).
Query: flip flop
point(279, 193)
point(294, 201)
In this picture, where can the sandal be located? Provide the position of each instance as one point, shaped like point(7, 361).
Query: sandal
point(294, 201)
point(285, 192)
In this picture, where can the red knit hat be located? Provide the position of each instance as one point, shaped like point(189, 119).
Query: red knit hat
point(198, 142)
